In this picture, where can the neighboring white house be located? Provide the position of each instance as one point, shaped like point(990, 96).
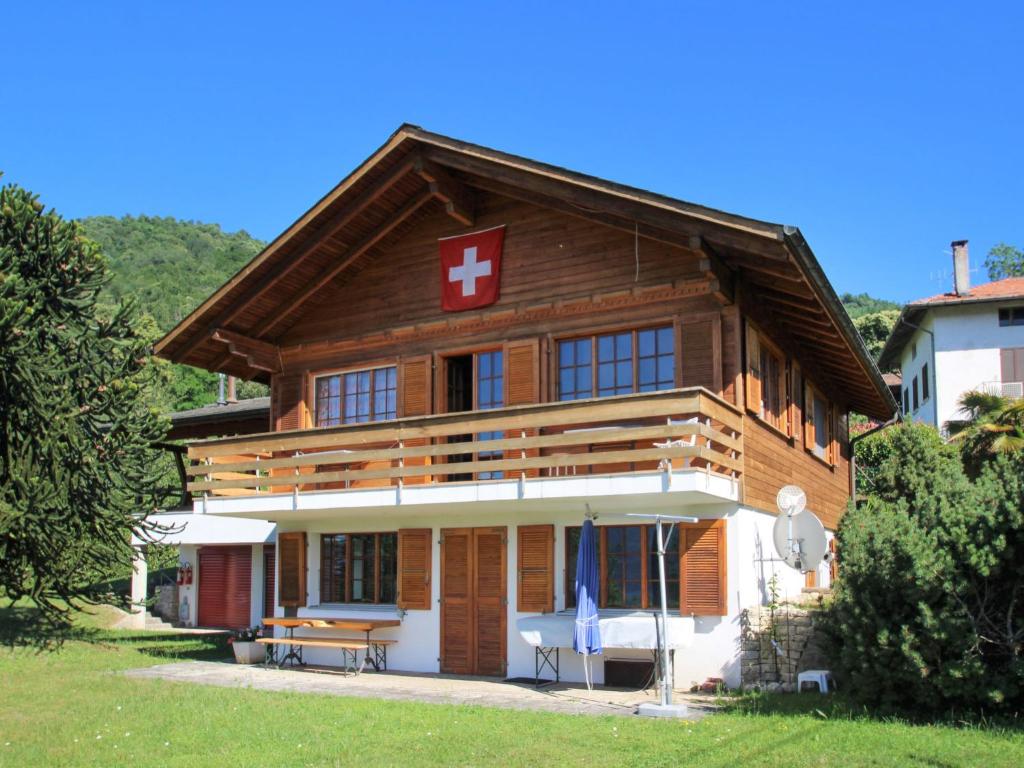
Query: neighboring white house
point(968, 339)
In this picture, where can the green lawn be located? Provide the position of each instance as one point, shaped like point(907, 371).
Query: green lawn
point(70, 707)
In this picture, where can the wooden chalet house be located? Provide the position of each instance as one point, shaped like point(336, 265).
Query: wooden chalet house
point(466, 348)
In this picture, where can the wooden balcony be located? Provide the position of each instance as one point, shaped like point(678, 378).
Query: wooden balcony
point(668, 431)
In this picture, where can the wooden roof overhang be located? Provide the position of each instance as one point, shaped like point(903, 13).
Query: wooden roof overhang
point(768, 268)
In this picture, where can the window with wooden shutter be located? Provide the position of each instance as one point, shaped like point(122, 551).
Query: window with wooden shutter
point(753, 382)
point(287, 396)
point(700, 357)
point(291, 560)
point(536, 566)
point(416, 374)
point(522, 387)
point(414, 548)
point(702, 569)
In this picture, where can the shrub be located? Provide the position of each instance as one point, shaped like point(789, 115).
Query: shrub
point(927, 615)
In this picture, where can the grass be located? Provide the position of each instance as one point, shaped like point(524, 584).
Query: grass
point(70, 707)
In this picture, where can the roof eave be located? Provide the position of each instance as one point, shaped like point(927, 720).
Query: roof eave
point(808, 263)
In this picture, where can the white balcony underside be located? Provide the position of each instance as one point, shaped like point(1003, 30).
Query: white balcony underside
point(652, 490)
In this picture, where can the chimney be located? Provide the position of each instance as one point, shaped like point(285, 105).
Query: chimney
point(961, 268)
point(220, 389)
point(232, 394)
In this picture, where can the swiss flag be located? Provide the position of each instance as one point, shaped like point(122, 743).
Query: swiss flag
point(471, 269)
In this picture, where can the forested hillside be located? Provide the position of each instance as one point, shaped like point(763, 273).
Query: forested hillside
point(170, 267)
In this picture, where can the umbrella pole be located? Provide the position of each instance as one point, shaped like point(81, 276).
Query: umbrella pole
point(666, 669)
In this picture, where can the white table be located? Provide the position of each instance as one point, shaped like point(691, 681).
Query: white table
point(549, 632)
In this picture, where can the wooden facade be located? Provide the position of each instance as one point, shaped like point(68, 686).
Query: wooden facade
point(354, 286)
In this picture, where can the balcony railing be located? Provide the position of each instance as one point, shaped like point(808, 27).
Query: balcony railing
point(1011, 390)
point(670, 430)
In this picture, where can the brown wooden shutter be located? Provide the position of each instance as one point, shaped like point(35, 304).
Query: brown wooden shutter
point(457, 646)
point(796, 391)
point(490, 593)
point(700, 345)
point(414, 381)
point(809, 436)
point(287, 396)
point(753, 383)
point(291, 557)
point(703, 589)
point(536, 565)
point(414, 547)
point(1011, 364)
point(833, 430)
point(522, 386)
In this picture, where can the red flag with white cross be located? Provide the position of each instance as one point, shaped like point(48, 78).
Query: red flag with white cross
point(471, 269)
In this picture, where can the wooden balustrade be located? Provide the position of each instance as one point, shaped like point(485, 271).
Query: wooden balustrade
point(670, 429)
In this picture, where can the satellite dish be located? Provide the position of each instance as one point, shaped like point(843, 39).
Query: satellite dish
point(800, 540)
point(791, 500)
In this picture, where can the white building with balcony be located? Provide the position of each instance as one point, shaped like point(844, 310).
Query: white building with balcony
point(968, 339)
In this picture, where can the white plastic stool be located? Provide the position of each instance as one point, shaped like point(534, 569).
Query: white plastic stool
point(821, 677)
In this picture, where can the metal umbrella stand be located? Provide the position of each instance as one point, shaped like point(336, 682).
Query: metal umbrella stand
point(665, 707)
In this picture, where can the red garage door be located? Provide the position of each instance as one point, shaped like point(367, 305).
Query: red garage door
point(225, 586)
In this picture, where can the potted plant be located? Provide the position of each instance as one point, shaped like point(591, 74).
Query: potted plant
point(247, 650)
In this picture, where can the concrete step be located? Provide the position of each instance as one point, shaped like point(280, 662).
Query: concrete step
point(155, 622)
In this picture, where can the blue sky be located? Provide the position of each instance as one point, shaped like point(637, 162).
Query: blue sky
point(883, 131)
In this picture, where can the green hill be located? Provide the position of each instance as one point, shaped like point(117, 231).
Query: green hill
point(170, 267)
point(860, 304)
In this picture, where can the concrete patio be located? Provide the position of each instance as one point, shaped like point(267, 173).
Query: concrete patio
point(565, 698)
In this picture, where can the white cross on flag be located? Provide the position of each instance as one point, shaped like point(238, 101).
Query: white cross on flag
point(471, 269)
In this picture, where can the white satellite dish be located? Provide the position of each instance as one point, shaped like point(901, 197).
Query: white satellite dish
point(791, 500)
point(800, 540)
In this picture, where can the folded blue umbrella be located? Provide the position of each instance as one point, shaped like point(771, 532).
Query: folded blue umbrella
point(586, 637)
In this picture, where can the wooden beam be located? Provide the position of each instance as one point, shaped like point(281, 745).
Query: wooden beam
point(758, 282)
point(353, 253)
point(330, 228)
point(258, 354)
point(775, 268)
point(459, 200)
point(722, 279)
point(789, 300)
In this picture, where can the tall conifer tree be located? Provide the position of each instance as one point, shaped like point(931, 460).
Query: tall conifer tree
point(78, 472)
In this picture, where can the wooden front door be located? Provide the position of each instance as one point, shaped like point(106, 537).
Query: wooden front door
point(474, 601)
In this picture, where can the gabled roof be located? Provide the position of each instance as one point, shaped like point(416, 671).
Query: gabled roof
point(417, 174)
point(1007, 289)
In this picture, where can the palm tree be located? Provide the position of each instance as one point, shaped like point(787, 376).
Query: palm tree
point(992, 425)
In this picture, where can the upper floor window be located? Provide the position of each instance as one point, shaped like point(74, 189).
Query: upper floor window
point(358, 567)
point(617, 363)
point(913, 350)
point(819, 424)
point(773, 387)
point(1011, 316)
point(347, 398)
point(906, 401)
point(925, 387)
point(913, 385)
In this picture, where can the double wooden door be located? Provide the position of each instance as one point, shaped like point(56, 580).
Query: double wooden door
point(474, 602)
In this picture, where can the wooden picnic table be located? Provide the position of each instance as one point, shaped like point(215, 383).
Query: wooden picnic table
point(380, 647)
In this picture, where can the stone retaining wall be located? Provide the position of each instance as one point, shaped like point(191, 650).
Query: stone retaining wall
point(778, 643)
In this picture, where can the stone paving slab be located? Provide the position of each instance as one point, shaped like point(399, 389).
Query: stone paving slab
point(406, 686)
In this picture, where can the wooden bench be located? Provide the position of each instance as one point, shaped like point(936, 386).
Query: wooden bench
point(350, 649)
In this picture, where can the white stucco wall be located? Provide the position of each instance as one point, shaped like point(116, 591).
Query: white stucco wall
point(968, 340)
point(912, 366)
point(716, 647)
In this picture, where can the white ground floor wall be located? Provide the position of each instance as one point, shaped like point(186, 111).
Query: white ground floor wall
point(715, 651)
